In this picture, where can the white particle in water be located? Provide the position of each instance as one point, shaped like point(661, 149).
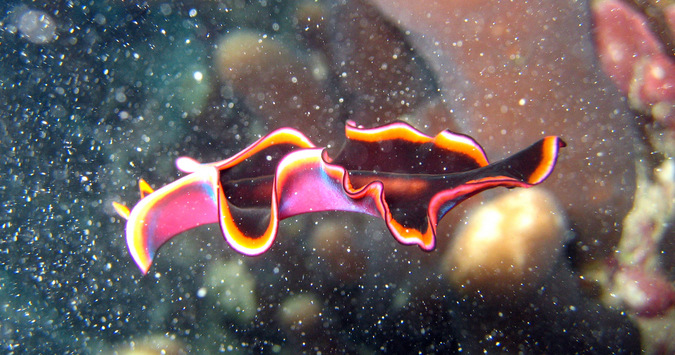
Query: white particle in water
point(36, 26)
point(201, 293)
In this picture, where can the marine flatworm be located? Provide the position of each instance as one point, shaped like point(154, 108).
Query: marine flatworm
point(393, 172)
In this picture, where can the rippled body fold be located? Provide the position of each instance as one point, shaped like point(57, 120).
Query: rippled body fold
point(393, 172)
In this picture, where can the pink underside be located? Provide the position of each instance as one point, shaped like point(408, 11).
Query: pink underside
point(187, 206)
point(310, 185)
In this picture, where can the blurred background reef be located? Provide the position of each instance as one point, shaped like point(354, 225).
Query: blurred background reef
point(97, 94)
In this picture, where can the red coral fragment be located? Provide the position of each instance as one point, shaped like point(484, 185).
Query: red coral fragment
point(623, 38)
point(633, 57)
point(646, 294)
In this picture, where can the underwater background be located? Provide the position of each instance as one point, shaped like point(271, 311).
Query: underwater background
point(95, 95)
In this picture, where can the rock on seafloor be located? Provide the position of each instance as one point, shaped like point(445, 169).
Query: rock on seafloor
point(231, 287)
point(300, 313)
point(509, 245)
point(282, 88)
point(331, 242)
point(508, 269)
point(514, 71)
point(347, 62)
point(301, 317)
point(382, 76)
point(153, 344)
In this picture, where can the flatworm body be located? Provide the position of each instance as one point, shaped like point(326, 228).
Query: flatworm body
point(393, 172)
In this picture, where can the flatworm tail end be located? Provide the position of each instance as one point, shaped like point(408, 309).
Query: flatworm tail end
point(545, 155)
point(529, 167)
point(535, 163)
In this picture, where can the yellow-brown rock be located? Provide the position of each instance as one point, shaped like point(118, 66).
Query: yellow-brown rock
point(300, 313)
point(334, 246)
point(508, 245)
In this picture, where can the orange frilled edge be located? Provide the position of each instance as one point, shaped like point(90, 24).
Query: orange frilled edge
point(394, 172)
